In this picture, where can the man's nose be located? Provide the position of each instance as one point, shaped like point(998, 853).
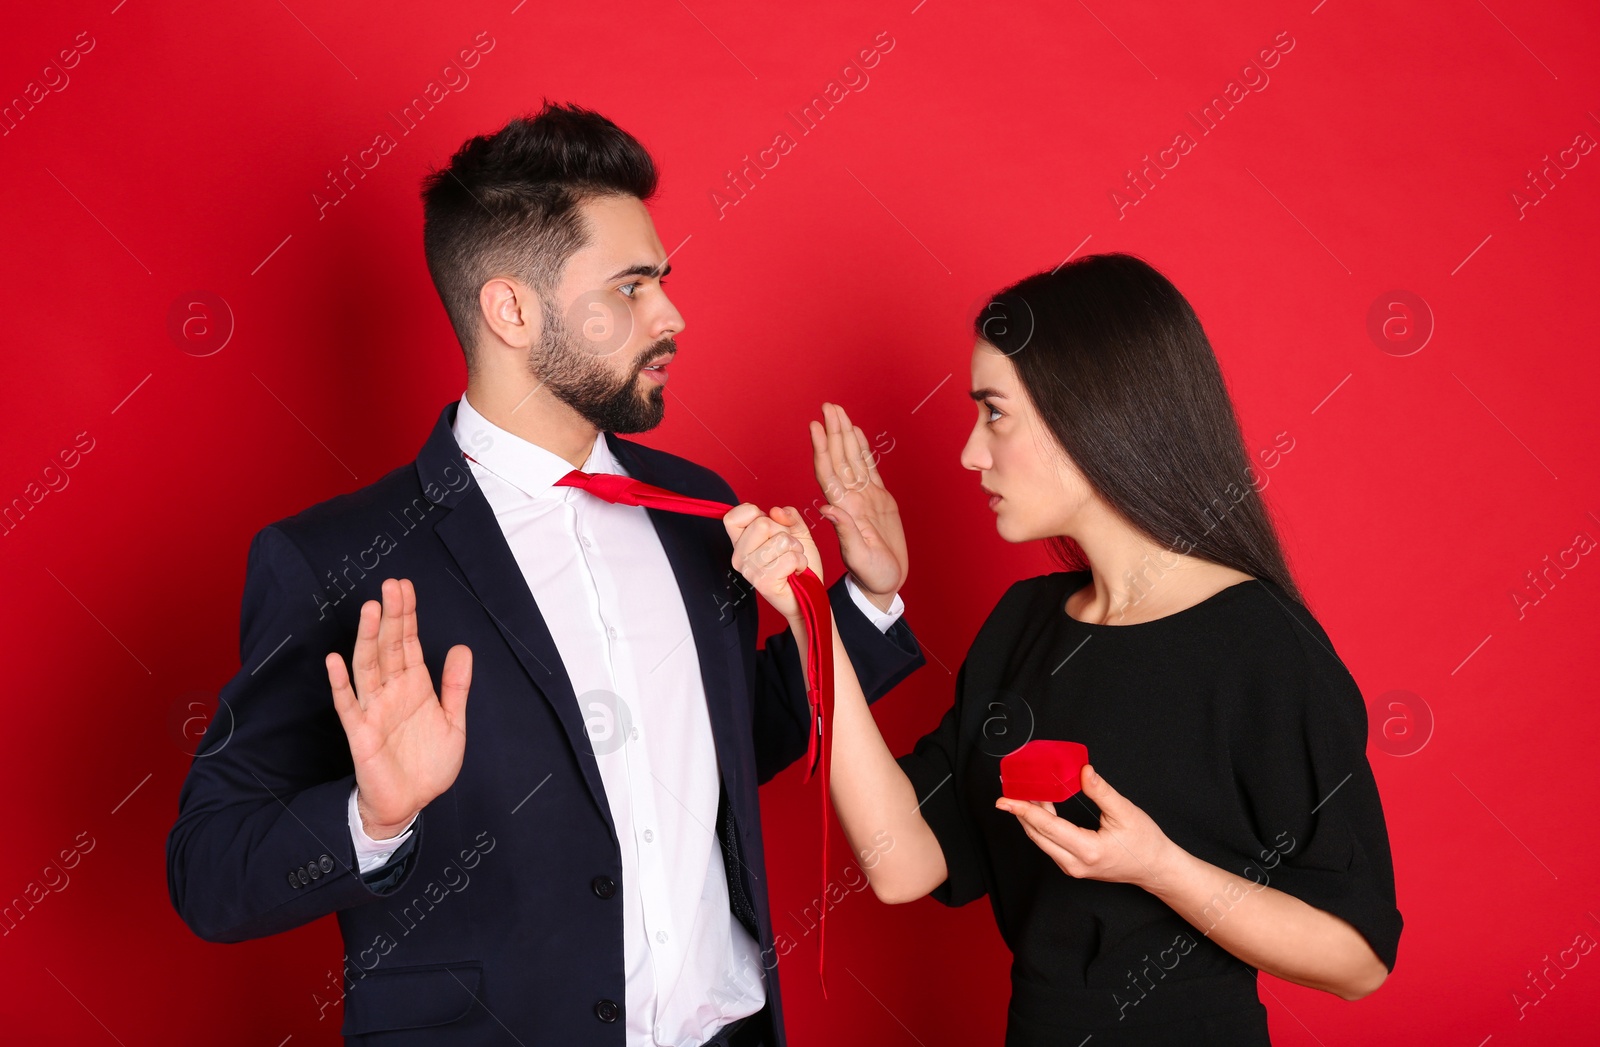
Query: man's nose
point(670, 321)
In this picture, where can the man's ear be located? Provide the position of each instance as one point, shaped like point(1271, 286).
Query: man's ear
point(511, 311)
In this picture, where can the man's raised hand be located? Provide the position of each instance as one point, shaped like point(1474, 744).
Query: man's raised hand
point(406, 742)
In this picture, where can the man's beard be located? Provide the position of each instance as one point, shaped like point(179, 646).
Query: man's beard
point(580, 379)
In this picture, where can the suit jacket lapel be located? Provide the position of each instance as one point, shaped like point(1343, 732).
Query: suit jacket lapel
point(489, 572)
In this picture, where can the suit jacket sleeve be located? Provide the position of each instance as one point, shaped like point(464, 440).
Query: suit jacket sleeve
point(782, 715)
point(262, 841)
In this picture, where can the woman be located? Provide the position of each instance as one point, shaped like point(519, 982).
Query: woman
point(1237, 826)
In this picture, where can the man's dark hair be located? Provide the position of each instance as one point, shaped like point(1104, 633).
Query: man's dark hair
point(507, 204)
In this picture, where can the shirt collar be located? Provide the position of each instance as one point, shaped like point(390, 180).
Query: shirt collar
point(521, 463)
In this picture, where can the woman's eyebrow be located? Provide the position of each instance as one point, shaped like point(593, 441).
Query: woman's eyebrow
point(986, 394)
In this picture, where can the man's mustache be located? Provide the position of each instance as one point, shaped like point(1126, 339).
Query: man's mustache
point(665, 351)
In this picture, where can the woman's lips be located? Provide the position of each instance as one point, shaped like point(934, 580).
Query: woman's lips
point(994, 499)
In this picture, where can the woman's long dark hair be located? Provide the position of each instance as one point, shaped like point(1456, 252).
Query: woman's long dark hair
point(1121, 372)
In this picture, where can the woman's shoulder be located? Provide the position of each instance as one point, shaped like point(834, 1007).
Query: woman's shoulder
point(1024, 607)
point(1025, 600)
point(1284, 661)
point(1267, 615)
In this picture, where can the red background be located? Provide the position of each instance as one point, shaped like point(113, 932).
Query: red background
point(186, 151)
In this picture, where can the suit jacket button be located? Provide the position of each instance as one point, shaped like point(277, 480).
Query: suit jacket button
point(326, 863)
point(305, 877)
point(294, 881)
point(607, 1010)
point(314, 869)
point(603, 886)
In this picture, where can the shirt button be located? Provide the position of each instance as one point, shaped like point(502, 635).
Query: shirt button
point(611, 631)
point(648, 836)
point(661, 936)
point(585, 542)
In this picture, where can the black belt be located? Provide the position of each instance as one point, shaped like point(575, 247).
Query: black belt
point(749, 1031)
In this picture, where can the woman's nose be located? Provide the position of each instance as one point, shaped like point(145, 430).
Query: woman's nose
point(973, 455)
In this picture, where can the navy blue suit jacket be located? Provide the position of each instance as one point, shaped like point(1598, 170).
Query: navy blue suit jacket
point(501, 920)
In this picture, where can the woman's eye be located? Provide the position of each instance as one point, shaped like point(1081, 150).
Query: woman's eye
point(994, 413)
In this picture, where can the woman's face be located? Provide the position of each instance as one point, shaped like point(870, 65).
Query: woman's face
point(1035, 490)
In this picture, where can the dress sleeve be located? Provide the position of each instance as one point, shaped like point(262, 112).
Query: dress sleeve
point(1301, 768)
point(933, 767)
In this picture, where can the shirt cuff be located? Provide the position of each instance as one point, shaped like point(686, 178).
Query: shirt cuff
point(884, 620)
point(370, 853)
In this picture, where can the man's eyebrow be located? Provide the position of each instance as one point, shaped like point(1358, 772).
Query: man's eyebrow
point(986, 394)
point(643, 270)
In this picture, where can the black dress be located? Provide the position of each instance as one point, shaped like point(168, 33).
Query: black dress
point(1234, 725)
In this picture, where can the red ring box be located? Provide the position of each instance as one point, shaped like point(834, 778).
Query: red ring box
point(1043, 769)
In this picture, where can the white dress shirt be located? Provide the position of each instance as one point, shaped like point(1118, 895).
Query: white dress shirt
point(612, 604)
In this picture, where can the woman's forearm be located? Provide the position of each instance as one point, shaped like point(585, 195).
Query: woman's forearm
point(875, 801)
point(1269, 929)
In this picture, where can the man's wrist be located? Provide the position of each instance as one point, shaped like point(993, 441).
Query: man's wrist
point(379, 832)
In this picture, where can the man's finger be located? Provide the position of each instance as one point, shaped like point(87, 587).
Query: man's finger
point(410, 644)
point(345, 702)
point(364, 661)
point(391, 655)
point(454, 681)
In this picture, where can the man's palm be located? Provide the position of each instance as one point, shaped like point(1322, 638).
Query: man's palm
point(407, 743)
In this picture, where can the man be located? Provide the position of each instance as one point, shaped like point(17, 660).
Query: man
point(585, 864)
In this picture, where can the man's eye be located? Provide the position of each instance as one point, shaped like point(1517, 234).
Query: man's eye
point(625, 289)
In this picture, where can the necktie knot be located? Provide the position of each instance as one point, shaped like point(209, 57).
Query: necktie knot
point(612, 487)
point(623, 490)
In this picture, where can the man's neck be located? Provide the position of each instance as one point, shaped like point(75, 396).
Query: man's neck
point(536, 417)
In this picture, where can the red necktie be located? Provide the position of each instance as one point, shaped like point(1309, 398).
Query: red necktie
point(814, 608)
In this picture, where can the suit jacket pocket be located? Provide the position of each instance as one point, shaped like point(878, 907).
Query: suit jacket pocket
point(412, 997)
